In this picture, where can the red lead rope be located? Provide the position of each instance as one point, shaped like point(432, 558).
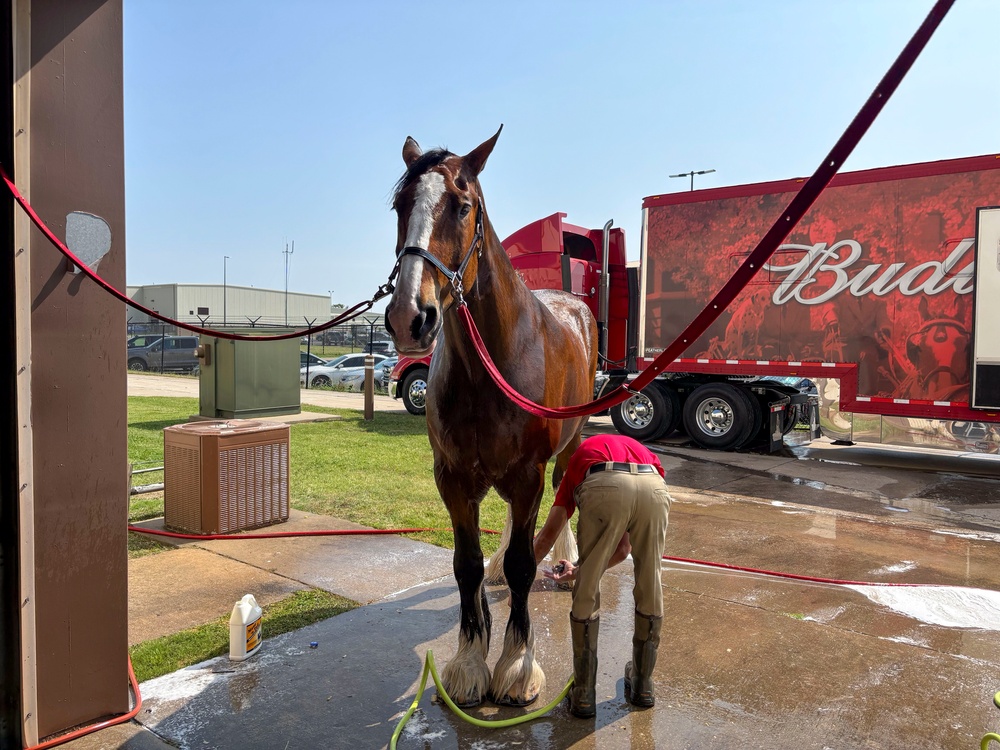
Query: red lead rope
point(760, 255)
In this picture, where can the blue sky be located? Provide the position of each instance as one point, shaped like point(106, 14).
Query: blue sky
point(252, 124)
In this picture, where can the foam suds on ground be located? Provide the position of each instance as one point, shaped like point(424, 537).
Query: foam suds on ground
point(947, 606)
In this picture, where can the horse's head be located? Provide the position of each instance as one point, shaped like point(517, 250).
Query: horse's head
point(441, 228)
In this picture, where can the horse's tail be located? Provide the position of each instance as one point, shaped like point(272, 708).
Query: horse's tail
point(494, 568)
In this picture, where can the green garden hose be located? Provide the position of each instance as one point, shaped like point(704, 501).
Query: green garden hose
point(991, 736)
point(429, 668)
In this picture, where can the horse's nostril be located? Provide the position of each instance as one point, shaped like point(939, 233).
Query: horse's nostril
point(430, 320)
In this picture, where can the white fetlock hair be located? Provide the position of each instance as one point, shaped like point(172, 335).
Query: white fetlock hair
point(466, 677)
point(517, 675)
point(494, 568)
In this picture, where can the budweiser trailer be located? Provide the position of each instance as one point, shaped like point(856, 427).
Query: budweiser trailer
point(877, 320)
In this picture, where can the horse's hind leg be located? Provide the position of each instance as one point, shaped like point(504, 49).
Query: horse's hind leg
point(517, 677)
point(466, 677)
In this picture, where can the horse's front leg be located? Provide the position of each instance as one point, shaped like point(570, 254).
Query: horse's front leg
point(517, 677)
point(466, 677)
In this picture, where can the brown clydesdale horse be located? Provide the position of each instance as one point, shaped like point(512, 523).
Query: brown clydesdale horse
point(545, 345)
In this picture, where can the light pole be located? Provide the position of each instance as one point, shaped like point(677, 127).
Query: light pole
point(287, 252)
point(691, 174)
point(224, 295)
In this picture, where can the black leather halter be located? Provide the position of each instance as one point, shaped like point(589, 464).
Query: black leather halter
point(454, 277)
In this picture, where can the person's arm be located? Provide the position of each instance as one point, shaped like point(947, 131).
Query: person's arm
point(546, 537)
point(565, 571)
point(623, 550)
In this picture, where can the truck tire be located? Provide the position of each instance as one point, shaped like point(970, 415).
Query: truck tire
point(647, 415)
point(415, 391)
point(674, 412)
point(719, 416)
point(137, 365)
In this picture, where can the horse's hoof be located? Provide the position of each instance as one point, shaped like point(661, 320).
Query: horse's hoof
point(467, 703)
point(507, 700)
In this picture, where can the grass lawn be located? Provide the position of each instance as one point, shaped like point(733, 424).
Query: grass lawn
point(376, 473)
point(172, 652)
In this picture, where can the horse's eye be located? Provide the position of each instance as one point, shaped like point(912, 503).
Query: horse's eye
point(464, 210)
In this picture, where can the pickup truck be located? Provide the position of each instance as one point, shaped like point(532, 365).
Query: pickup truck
point(170, 354)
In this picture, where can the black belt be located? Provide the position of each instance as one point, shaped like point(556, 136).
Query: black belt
point(622, 466)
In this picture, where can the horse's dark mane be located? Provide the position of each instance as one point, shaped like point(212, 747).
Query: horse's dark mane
point(425, 161)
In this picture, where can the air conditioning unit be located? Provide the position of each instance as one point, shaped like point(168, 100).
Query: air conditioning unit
point(225, 476)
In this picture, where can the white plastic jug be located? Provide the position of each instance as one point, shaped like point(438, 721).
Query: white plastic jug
point(245, 635)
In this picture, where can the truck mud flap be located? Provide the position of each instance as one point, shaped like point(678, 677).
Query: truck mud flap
point(776, 422)
point(814, 428)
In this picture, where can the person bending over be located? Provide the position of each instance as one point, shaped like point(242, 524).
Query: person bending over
point(618, 486)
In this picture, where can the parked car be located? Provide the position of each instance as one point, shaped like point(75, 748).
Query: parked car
point(137, 342)
point(381, 346)
point(353, 378)
point(169, 354)
point(308, 358)
point(323, 375)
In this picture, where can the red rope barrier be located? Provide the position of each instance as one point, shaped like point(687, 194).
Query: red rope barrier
point(282, 534)
point(87, 271)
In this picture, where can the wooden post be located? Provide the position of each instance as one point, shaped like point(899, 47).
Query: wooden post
point(369, 387)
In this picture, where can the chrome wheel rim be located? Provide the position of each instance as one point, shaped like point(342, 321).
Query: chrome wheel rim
point(715, 416)
point(637, 412)
point(418, 393)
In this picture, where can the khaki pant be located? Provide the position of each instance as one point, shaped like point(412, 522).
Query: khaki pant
point(611, 503)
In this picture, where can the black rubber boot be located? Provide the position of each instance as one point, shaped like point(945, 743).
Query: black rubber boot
point(639, 671)
point(583, 694)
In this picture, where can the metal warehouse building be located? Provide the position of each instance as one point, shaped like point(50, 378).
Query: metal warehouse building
point(227, 305)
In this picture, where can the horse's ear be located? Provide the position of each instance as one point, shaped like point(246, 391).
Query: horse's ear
point(411, 151)
point(475, 160)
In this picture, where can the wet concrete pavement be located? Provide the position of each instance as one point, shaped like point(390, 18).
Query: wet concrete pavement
point(747, 660)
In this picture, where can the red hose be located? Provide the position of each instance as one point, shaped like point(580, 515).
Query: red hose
point(793, 576)
point(83, 731)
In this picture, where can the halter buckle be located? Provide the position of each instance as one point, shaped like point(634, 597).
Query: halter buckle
point(457, 289)
point(384, 291)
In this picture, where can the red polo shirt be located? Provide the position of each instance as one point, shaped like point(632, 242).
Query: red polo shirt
point(598, 449)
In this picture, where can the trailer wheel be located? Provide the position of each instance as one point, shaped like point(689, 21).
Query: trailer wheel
point(415, 392)
point(647, 415)
point(719, 416)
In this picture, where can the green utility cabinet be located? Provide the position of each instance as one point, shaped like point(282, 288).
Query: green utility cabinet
point(244, 379)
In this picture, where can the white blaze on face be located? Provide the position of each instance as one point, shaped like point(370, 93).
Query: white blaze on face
point(429, 191)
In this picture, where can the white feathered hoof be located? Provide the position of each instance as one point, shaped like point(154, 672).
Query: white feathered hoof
point(518, 680)
point(466, 678)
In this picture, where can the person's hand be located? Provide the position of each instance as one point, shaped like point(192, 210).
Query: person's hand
point(564, 572)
